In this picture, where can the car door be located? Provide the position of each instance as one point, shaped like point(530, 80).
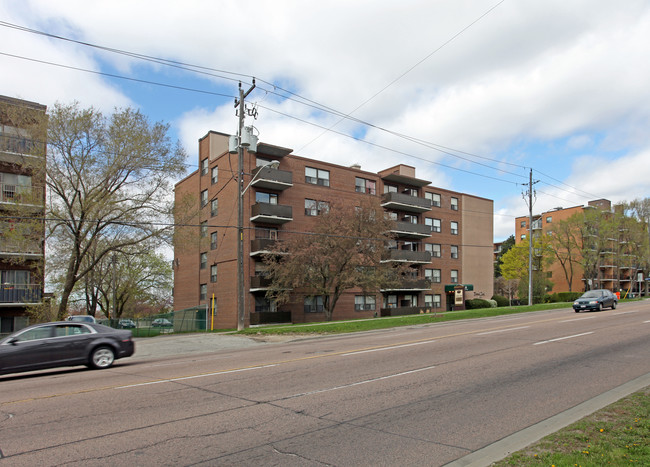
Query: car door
point(28, 350)
point(70, 342)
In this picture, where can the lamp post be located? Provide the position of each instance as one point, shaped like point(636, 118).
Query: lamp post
point(241, 324)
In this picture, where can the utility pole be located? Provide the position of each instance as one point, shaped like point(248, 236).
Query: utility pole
point(240, 215)
point(529, 194)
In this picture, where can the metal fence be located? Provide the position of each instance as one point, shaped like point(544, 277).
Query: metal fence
point(189, 320)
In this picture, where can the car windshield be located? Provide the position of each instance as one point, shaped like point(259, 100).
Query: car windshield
point(592, 294)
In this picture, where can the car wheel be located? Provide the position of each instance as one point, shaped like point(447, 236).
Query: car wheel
point(599, 307)
point(576, 310)
point(102, 357)
point(614, 305)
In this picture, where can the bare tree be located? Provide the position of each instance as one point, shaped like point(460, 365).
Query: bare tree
point(110, 178)
point(564, 242)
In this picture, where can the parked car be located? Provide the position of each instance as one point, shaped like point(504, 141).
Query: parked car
point(161, 323)
point(82, 319)
point(126, 324)
point(64, 343)
point(595, 300)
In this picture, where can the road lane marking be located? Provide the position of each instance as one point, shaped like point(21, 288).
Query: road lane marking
point(202, 375)
point(357, 352)
point(501, 330)
point(358, 383)
point(577, 319)
point(563, 338)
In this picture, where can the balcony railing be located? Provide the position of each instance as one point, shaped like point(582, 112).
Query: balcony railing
point(260, 283)
point(271, 213)
point(407, 229)
point(28, 249)
point(406, 256)
point(410, 284)
point(18, 194)
point(404, 202)
point(20, 293)
point(20, 145)
point(262, 246)
point(272, 179)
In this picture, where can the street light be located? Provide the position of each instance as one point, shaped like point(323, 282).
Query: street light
point(240, 244)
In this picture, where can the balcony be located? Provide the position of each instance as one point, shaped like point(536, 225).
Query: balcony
point(271, 213)
point(271, 179)
point(19, 294)
point(24, 249)
point(259, 284)
point(404, 202)
point(16, 149)
point(262, 246)
point(22, 195)
point(410, 285)
point(406, 256)
point(409, 230)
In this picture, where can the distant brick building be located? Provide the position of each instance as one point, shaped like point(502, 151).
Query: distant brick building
point(445, 236)
point(22, 208)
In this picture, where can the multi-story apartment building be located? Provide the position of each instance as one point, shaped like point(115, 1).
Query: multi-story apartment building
point(614, 272)
point(445, 236)
point(22, 205)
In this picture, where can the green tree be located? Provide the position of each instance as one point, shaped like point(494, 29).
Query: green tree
point(515, 266)
point(505, 246)
point(343, 251)
point(109, 178)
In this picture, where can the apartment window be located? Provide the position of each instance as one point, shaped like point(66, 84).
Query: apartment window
point(314, 208)
point(263, 197)
point(214, 207)
point(268, 233)
point(213, 241)
point(213, 273)
point(314, 304)
point(203, 292)
point(203, 261)
point(204, 229)
point(362, 185)
point(428, 300)
point(454, 228)
point(433, 223)
point(437, 300)
point(433, 275)
point(454, 251)
point(434, 198)
point(390, 301)
point(454, 276)
point(436, 250)
point(204, 198)
point(410, 218)
point(317, 176)
point(390, 189)
point(15, 278)
point(523, 224)
point(549, 219)
point(215, 175)
point(364, 302)
point(204, 166)
point(523, 236)
point(454, 204)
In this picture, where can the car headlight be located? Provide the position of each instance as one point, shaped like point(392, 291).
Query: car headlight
point(576, 303)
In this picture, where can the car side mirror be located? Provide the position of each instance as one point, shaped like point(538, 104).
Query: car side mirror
point(13, 341)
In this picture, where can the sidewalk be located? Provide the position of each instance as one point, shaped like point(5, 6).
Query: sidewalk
point(181, 344)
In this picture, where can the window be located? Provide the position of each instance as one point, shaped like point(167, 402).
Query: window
point(203, 292)
point(523, 236)
point(213, 273)
point(317, 176)
point(263, 197)
point(454, 251)
point(314, 208)
point(436, 300)
point(362, 185)
point(390, 301)
point(436, 250)
point(215, 175)
point(314, 304)
point(213, 241)
point(549, 219)
point(214, 207)
point(454, 228)
point(204, 166)
point(390, 189)
point(70, 330)
point(434, 197)
point(12, 185)
point(204, 198)
point(364, 302)
point(523, 224)
point(16, 278)
point(428, 301)
point(454, 276)
point(204, 229)
point(203, 261)
point(433, 223)
point(433, 275)
point(454, 204)
point(410, 218)
point(38, 333)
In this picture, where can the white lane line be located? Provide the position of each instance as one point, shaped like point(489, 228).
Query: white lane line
point(646, 321)
point(577, 319)
point(170, 380)
point(625, 312)
point(358, 383)
point(501, 330)
point(387, 348)
point(563, 338)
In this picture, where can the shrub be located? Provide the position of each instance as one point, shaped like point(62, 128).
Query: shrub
point(501, 300)
point(476, 303)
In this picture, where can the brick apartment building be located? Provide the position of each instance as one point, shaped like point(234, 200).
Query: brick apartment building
point(22, 195)
point(613, 273)
point(445, 236)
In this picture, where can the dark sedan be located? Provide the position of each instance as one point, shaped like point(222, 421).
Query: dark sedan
point(64, 343)
point(595, 300)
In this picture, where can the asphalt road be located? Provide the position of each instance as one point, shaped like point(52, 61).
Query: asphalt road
point(464, 393)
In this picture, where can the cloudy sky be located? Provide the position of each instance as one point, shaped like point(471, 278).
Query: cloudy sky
point(472, 93)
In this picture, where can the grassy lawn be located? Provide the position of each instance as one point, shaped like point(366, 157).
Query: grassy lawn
point(616, 435)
